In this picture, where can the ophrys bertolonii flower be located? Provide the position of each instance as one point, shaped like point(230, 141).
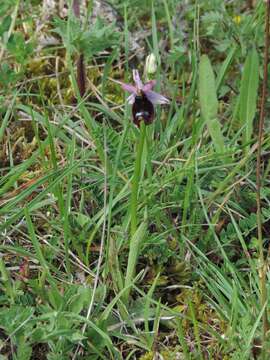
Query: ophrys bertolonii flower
point(143, 99)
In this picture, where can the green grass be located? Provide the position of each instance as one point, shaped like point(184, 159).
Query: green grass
point(125, 243)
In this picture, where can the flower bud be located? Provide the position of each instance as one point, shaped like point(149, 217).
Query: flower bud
point(150, 64)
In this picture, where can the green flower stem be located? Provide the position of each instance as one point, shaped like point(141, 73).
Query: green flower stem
point(136, 232)
point(136, 181)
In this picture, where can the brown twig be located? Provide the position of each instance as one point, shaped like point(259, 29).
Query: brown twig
point(81, 73)
point(263, 264)
point(81, 76)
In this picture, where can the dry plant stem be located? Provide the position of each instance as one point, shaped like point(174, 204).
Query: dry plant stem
point(76, 7)
point(81, 77)
point(262, 265)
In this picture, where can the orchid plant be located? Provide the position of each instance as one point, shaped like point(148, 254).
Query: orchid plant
point(143, 99)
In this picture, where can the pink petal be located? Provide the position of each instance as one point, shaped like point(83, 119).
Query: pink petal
point(156, 98)
point(131, 99)
point(128, 87)
point(149, 85)
point(137, 79)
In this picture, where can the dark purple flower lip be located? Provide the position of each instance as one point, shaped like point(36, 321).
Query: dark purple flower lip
point(142, 110)
point(146, 89)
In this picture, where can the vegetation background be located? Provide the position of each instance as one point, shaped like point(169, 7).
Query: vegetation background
point(185, 283)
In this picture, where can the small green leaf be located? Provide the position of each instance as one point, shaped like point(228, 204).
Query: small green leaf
point(7, 75)
point(18, 48)
point(207, 90)
point(4, 26)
